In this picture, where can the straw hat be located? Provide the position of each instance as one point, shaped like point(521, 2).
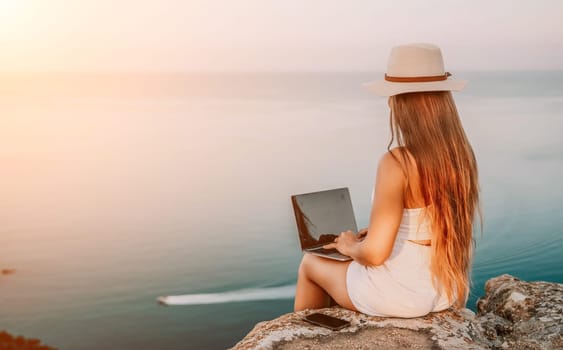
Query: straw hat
point(413, 68)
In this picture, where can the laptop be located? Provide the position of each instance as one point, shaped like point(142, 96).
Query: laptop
point(321, 217)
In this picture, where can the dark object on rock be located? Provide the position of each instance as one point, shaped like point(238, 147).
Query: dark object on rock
point(443, 330)
point(10, 342)
point(8, 271)
point(513, 314)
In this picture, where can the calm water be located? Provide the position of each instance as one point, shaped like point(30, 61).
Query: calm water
point(117, 189)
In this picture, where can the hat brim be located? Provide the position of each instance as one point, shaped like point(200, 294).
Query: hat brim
point(387, 88)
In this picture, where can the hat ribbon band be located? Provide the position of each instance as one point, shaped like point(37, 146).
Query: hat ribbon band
point(417, 79)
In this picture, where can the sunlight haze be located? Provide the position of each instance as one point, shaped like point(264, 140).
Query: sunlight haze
point(211, 35)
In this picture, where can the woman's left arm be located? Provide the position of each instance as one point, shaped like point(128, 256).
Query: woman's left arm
point(385, 217)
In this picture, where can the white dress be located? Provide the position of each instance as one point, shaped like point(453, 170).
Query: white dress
point(402, 285)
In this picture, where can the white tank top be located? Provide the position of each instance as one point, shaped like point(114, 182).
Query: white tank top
point(415, 224)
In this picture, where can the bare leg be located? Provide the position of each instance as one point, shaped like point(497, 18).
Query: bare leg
point(318, 280)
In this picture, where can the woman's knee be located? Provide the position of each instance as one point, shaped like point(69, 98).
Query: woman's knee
point(305, 266)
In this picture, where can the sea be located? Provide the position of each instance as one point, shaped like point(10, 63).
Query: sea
point(118, 188)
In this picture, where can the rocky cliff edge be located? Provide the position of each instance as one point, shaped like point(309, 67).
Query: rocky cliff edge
point(513, 314)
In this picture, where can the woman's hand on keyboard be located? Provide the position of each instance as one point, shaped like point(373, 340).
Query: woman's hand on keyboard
point(344, 243)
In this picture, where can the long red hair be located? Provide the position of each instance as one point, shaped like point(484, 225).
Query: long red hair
point(427, 125)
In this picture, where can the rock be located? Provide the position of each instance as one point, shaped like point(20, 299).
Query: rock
point(513, 314)
point(444, 330)
point(11, 342)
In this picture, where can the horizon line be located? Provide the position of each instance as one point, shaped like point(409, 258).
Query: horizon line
point(236, 71)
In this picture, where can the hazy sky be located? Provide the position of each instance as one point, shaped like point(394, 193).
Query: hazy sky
point(173, 35)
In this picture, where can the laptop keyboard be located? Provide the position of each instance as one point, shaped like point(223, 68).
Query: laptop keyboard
point(322, 250)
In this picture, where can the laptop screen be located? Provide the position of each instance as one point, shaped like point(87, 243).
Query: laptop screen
point(321, 216)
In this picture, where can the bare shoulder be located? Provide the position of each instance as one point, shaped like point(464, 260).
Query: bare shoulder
point(403, 157)
point(390, 167)
point(397, 158)
point(390, 160)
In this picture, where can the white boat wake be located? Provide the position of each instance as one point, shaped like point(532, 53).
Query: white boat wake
point(253, 294)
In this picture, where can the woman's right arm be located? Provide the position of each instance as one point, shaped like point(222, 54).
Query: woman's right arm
point(386, 214)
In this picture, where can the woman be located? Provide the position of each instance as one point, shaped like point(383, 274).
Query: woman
point(415, 256)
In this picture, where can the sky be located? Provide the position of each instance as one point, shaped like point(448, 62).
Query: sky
point(279, 35)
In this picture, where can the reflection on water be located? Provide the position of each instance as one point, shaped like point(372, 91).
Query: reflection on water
point(117, 189)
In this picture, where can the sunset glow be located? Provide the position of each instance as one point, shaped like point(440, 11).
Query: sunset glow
point(212, 35)
point(16, 19)
point(150, 148)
